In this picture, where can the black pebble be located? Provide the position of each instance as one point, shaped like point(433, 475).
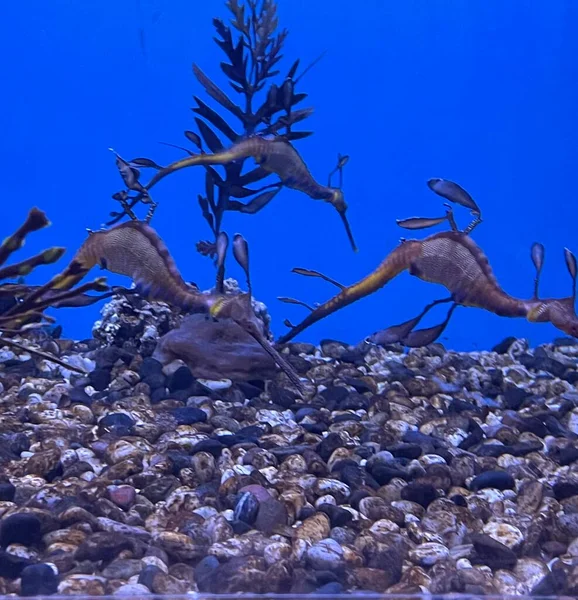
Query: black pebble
point(283, 397)
point(356, 497)
point(306, 512)
point(459, 500)
point(181, 379)
point(316, 428)
point(7, 491)
point(565, 489)
point(568, 455)
point(420, 493)
point(240, 527)
point(155, 381)
point(79, 396)
point(493, 479)
point(119, 424)
point(503, 346)
point(514, 397)
point(212, 446)
point(38, 580)
point(405, 450)
point(99, 379)
point(105, 358)
point(383, 473)
point(246, 508)
point(492, 553)
point(338, 516)
point(158, 395)
point(333, 587)
point(148, 574)
point(150, 366)
point(11, 566)
point(334, 394)
point(188, 415)
point(328, 445)
point(204, 572)
point(20, 528)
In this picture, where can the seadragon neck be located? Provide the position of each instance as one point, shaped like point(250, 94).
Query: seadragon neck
point(397, 261)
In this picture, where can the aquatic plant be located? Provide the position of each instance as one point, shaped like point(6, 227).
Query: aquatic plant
point(266, 109)
point(22, 306)
point(454, 260)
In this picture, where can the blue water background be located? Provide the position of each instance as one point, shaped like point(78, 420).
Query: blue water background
point(483, 92)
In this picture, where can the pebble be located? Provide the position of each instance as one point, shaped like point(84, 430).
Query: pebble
point(419, 472)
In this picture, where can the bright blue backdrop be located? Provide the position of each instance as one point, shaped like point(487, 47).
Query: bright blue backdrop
point(483, 92)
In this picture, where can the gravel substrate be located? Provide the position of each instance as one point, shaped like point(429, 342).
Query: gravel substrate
point(398, 472)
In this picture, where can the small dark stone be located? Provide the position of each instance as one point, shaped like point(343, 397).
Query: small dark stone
point(38, 580)
point(361, 387)
point(307, 411)
point(251, 389)
point(240, 527)
point(329, 444)
point(514, 396)
point(338, 516)
point(20, 528)
point(212, 446)
point(531, 424)
point(568, 455)
point(356, 497)
point(317, 428)
point(158, 490)
point(491, 450)
point(155, 380)
point(251, 433)
point(11, 566)
point(148, 574)
point(271, 514)
point(503, 346)
point(181, 379)
point(306, 512)
point(384, 473)
point(99, 379)
point(107, 357)
point(500, 480)
point(333, 587)
point(354, 401)
point(118, 424)
point(541, 361)
point(188, 415)
point(282, 396)
point(7, 491)
point(158, 395)
point(102, 545)
point(459, 500)
point(565, 488)
point(404, 450)
point(523, 448)
point(420, 493)
point(334, 395)
point(346, 417)
point(492, 553)
point(78, 395)
point(246, 508)
point(150, 366)
point(205, 571)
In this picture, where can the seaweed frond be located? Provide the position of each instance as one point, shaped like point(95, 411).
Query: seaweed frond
point(252, 43)
point(22, 307)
